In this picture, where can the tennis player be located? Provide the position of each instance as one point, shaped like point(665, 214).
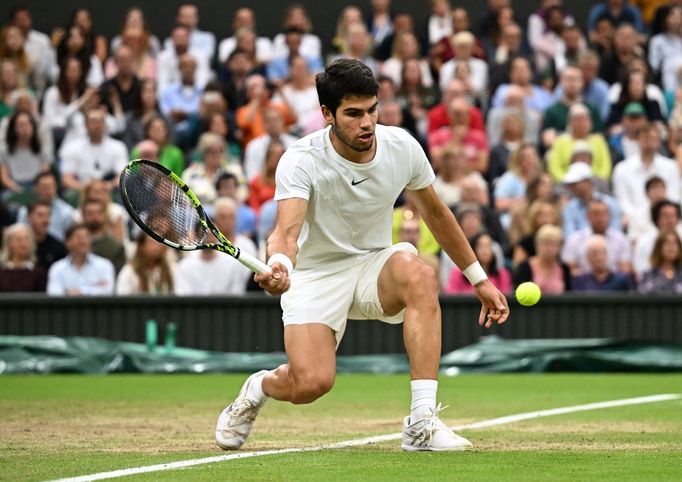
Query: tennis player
point(331, 259)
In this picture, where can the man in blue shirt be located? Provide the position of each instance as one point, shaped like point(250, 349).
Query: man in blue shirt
point(81, 272)
point(579, 182)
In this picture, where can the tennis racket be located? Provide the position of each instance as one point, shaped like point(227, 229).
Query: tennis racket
point(165, 208)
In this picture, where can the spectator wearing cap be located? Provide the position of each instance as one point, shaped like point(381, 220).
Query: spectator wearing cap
point(556, 117)
point(574, 252)
point(600, 277)
point(625, 144)
point(641, 222)
point(667, 217)
point(464, 43)
point(578, 132)
point(579, 181)
point(629, 176)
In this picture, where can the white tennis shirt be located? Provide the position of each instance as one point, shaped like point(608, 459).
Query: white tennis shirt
point(350, 205)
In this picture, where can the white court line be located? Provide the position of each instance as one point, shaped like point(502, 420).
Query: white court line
point(373, 440)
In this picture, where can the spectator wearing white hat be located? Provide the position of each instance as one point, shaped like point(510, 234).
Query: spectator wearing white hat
point(579, 180)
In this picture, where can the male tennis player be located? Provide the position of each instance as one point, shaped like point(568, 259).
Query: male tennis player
point(336, 189)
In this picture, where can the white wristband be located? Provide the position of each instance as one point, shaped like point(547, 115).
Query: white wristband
point(474, 273)
point(283, 259)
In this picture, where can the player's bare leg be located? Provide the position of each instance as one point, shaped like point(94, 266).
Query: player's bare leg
point(311, 370)
point(407, 282)
point(310, 373)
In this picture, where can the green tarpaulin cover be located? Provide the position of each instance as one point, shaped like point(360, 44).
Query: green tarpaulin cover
point(49, 354)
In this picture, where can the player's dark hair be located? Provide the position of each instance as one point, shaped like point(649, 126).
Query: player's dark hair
point(658, 207)
point(343, 78)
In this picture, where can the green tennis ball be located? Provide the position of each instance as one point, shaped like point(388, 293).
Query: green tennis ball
point(528, 293)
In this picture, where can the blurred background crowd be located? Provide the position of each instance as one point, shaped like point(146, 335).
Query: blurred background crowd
point(555, 139)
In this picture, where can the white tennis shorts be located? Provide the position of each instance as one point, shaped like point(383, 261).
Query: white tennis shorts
point(332, 296)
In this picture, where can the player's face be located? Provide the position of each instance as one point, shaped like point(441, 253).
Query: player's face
point(355, 123)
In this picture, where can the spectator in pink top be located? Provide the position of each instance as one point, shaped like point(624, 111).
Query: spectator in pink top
point(498, 275)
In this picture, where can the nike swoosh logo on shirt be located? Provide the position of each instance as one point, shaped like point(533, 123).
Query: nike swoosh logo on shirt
point(355, 183)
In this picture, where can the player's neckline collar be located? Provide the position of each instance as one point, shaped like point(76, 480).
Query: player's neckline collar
point(354, 165)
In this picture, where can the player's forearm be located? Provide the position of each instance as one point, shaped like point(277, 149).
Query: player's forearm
point(279, 242)
point(449, 235)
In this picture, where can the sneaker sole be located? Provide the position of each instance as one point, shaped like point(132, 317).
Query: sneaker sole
point(411, 448)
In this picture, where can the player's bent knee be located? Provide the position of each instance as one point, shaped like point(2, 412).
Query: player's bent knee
point(421, 282)
point(309, 389)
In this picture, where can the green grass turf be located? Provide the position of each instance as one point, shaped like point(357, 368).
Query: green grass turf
point(60, 426)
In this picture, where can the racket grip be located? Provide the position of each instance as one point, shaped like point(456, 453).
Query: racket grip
point(253, 263)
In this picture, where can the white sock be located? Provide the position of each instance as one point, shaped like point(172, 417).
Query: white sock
point(255, 389)
point(423, 398)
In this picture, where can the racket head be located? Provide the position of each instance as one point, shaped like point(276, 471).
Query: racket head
point(163, 206)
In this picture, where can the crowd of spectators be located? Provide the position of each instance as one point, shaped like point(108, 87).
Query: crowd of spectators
point(555, 139)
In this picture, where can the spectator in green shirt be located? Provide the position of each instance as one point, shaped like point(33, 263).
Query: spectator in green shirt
point(555, 118)
point(169, 155)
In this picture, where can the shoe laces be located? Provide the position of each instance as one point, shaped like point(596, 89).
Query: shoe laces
point(433, 421)
point(243, 410)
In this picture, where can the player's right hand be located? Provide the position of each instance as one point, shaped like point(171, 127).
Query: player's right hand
point(276, 281)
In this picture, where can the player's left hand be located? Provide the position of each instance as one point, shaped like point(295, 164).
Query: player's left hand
point(494, 307)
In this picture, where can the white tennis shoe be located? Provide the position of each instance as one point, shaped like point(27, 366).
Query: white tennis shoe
point(235, 422)
point(432, 434)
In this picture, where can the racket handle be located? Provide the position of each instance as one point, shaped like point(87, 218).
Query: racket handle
point(253, 263)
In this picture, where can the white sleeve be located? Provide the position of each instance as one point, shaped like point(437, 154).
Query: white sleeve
point(422, 174)
point(291, 179)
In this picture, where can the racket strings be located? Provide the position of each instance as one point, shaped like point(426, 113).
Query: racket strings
point(163, 206)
